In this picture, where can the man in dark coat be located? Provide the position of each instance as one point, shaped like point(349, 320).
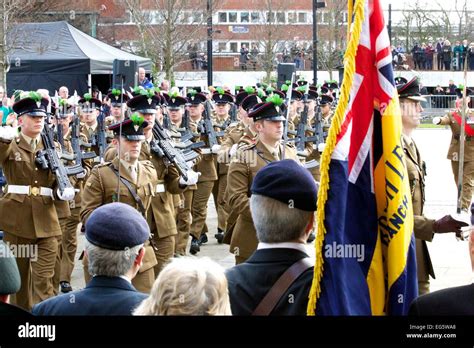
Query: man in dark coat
point(282, 204)
point(115, 235)
point(452, 301)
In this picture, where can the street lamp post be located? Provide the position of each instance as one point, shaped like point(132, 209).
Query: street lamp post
point(209, 42)
point(316, 4)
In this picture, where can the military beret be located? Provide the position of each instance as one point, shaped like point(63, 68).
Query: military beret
point(222, 98)
point(459, 92)
point(410, 90)
point(196, 99)
point(117, 97)
point(146, 104)
point(88, 103)
point(31, 103)
point(131, 128)
point(325, 99)
point(116, 226)
point(250, 101)
point(10, 281)
point(288, 182)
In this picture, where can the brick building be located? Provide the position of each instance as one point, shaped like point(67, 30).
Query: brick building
point(283, 27)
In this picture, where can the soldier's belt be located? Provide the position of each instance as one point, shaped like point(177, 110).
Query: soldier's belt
point(29, 190)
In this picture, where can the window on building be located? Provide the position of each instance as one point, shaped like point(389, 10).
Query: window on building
point(232, 17)
point(222, 46)
point(280, 16)
point(255, 17)
point(291, 17)
point(244, 17)
point(319, 17)
point(271, 17)
point(185, 18)
point(326, 17)
point(159, 19)
point(302, 17)
point(197, 17)
point(148, 17)
point(233, 47)
point(222, 17)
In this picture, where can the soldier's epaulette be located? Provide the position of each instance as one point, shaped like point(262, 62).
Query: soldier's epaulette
point(101, 165)
point(245, 146)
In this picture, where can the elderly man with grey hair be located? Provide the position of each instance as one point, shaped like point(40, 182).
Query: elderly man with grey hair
point(115, 234)
point(277, 277)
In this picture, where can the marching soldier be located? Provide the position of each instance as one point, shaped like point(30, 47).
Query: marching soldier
point(30, 195)
point(424, 228)
point(223, 100)
point(89, 110)
point(162, 216)
point(68, 246)
point(207, 166)
point(184, 215)
point(454, 120)
point(118, 102)
point(268, 118)
point(326, 114)
point(126, 180)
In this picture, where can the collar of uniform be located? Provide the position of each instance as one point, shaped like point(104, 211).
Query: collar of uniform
point(28, 139)
point(286, 245)
point(272, 149)
point(94, 127)
point(128, 165)
point(407, 139)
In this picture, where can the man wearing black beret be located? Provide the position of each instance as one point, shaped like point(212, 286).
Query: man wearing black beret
point(268, 118)
point(115, 236)
point(282, 204)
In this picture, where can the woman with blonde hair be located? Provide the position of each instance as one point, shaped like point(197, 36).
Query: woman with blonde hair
point(188, 286)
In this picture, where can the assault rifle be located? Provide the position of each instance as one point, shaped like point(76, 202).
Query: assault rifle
point(206, 127)
point(161, 146)
point(48, 159)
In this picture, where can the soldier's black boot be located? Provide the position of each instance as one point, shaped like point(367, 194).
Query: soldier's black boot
point(203, 239)
point(194, 248)
point(219, 236)
point(311, 237)
point(65, 287)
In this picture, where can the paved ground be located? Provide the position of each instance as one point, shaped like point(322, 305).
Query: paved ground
point(450, 257)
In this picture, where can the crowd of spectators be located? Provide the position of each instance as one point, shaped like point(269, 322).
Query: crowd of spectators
point(441, 55)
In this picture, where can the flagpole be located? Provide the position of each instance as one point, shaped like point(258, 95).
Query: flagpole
point(462, 141)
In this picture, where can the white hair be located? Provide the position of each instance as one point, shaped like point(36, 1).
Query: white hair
point(277, 222)
point(188, 286)
point(110, 263)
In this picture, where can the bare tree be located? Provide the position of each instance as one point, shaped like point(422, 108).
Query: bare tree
point(168, 29)
point(330, 51)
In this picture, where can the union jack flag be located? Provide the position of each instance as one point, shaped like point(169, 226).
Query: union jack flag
point(368, 252)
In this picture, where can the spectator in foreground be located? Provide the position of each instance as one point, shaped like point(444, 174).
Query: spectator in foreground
point(451, 301)
point(188, 286)
point(115, 234)
point(282, 204)
point(10, 282)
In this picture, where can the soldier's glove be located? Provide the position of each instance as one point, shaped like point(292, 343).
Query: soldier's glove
point(191, 163)
point(192, 178)
point(233, 150)
point(81, 175)
point(8, 133)
point(303, 153)
point(215, 148)
point(67, 195)
point(448, 224)
point(436, 120)
point(321, 147)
